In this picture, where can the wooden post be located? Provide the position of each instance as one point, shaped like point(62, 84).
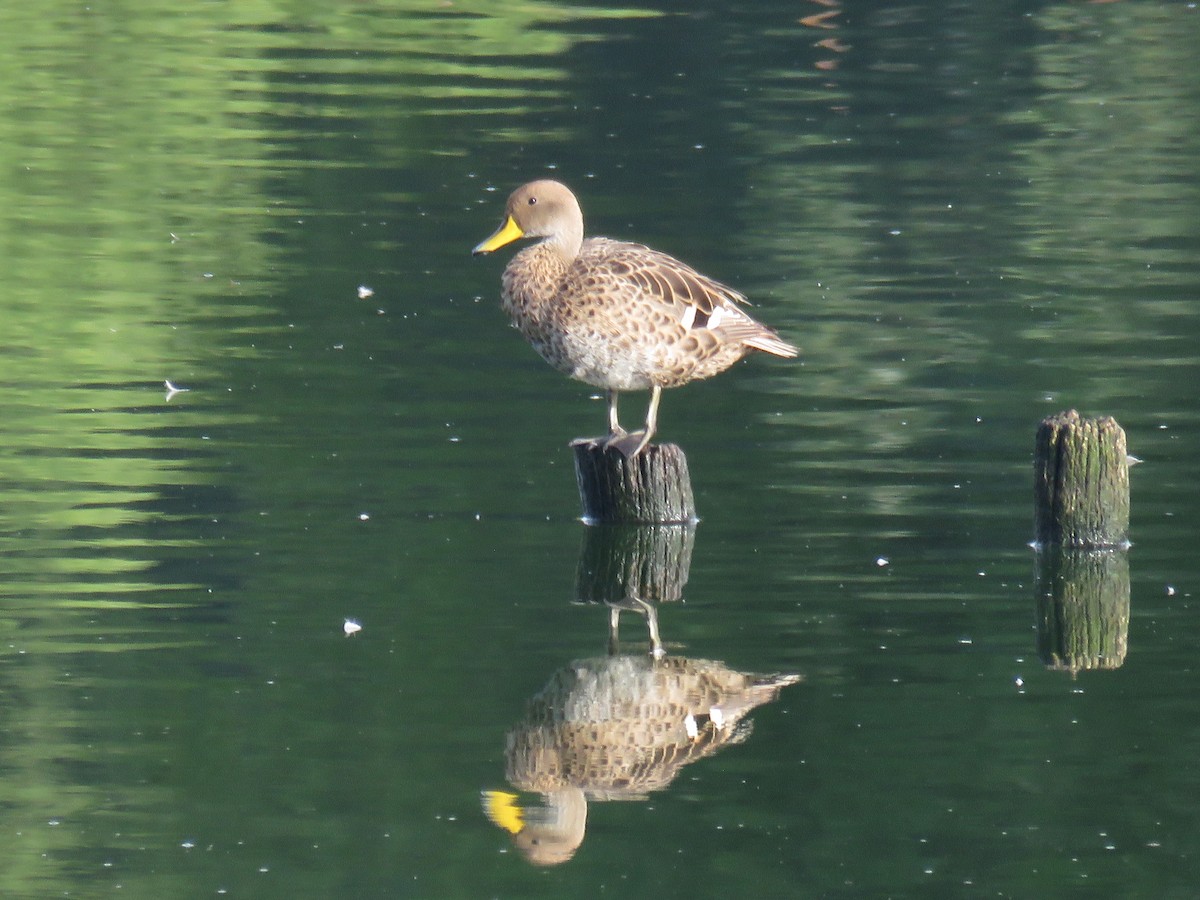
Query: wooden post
point(652, 488)
point(1081, 483)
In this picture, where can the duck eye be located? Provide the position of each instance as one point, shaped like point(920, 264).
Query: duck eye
point(533, 201)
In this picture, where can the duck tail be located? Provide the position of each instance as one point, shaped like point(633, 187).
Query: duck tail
point(769, 342)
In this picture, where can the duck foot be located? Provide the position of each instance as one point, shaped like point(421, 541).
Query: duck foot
point(628, 444)
point(600, 442)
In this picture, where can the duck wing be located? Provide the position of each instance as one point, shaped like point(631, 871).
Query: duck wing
point(624, 272)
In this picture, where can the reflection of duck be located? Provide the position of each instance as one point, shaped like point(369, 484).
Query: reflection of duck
point(614, 314)
point(617, 728)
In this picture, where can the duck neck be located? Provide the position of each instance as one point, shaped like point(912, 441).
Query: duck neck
point(566, 243)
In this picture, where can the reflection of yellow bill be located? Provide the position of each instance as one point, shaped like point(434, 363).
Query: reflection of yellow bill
point(501, 807)
point(506, 234)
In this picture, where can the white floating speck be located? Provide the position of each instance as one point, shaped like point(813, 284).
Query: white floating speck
point(364, 292)
point(350, 626)
point(172, 390)
point(1170, 590)
point(882, 561)
point(362, 517)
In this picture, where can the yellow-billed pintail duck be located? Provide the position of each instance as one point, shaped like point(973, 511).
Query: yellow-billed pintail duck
point(614, 314)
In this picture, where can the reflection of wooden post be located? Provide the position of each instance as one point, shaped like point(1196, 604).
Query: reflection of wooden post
point(1083, 608)
point(650, 562)
point(1081, 483)
point(633, 568)
point(653, 487)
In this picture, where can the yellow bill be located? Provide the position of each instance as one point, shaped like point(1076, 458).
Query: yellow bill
point(502, 809)
point(507, 233)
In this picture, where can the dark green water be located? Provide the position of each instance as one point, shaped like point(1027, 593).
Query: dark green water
point(969, 216)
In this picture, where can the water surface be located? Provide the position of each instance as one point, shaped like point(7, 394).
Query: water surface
point(968, 217)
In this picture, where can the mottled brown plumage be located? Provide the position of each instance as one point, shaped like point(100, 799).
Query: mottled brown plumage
point(614, 314)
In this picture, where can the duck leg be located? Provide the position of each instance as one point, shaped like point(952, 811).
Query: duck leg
point(615, 432)
point(635, 442)
point(614, 427)
point(636, 604)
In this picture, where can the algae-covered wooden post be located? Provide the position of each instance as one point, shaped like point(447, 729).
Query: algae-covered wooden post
point(651, 488)
point(1081, 532)
point(1081, 483)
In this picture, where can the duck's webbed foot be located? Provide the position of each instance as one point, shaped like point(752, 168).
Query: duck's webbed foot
point(629, 445)
point(602, 441)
